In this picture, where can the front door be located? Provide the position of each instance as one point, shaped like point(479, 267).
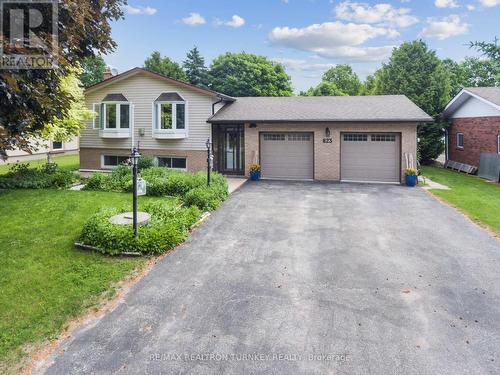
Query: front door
point(229, 149)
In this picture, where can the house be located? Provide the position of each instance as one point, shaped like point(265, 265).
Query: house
point(46, 147)
point(322, 138)
point(474, 118)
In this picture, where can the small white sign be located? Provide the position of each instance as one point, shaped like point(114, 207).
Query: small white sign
point(141, 186)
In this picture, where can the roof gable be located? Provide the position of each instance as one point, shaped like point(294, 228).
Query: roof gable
point(487, 95)
point(135, 71)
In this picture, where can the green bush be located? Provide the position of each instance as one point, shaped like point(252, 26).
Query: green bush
point(202, 197)
point(21, 176)
point(145, 162)
point(98, 181)
point(168, 227)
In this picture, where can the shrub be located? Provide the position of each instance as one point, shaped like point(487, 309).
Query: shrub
point(168, 227)
point(21, 176)
point(98, 181)
point(145, 162)
point(202, 197)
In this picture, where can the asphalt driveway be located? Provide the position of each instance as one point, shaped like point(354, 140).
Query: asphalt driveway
point(309, 278)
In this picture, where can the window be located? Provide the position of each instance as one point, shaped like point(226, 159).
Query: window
point(274, 137)
point(355, 137)
point(460, 140)
point(114, 160)
point(115, 116)
point(498, 143)
point(170, 113)
point(299, 137)
point(383, 138)
point(172, 162)
point(57, 145)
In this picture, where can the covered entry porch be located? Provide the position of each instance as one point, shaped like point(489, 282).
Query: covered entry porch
point(228, 143)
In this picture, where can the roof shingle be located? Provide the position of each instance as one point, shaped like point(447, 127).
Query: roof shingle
point(321, 108)
point(491, 94)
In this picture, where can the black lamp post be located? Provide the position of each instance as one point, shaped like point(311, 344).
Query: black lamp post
point(209, 159)
point(135, 170)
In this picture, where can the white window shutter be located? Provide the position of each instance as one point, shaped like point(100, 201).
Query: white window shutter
point(96, 121)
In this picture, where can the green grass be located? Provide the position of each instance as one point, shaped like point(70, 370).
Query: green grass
point(44, 280)
point(477, 198)
point(69, 162)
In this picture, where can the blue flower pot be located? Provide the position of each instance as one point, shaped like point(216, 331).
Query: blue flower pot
point(254, 176)
point(411, 181)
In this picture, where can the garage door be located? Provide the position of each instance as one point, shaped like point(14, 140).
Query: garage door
point(370, 157)
point(287, 155)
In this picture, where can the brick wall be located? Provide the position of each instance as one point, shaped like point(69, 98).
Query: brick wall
point(90, 158)
point(480, 135)
point(327, 155)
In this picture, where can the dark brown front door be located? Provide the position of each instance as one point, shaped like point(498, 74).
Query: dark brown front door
point(229, 148)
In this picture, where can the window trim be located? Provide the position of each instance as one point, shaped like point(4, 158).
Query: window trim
point(57, 149)
point(498, 143)
point(458, 141)
point(106, 166)
point(118, 127)
point(173, 157)
point(156, 112)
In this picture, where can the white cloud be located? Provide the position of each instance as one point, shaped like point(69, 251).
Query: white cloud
point(148, 11)
point(302, 65)
point(446, 4)
point(235, 21)
point(445, 27)
point(471, 7)
point(335, 40)
point(489, 3)
point(377, 14)
point(194, 19)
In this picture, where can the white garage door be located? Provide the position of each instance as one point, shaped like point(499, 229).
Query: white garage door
point(287, 155)
point(370, 157)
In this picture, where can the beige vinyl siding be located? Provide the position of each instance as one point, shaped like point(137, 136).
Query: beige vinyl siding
point(141, 91)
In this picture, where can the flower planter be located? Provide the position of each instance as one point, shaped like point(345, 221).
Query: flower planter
point(411, 180)
point(254, 176)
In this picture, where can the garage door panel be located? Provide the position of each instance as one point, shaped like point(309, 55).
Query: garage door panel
point(287, 155)
point(370, 157)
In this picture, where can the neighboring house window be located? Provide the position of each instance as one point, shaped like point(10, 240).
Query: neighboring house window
point(57, 145)
point(170, 113)
point(172, 162)
point(113, 160)
point(460, 140)
point(498, 143)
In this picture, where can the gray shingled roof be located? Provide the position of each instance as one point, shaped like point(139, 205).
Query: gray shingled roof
point(321, 108)
point(491, 94)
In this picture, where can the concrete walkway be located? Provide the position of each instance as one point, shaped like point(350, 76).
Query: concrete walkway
point(309, 278)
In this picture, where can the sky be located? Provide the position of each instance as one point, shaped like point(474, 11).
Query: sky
point(307, 36)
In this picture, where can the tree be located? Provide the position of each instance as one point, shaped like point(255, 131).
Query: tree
point(30, 99)
point(344, 78)
point(63, 129)
point(369, 86)
point(456, 74)
point(195, 68)
point(415, 71)
point(480, 73)
point(325, 88)
point(488, 49)
point(165, 66)
point(245, 74)
point(93, 69)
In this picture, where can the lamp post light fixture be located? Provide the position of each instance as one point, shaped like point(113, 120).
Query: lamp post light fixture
point(135, 160)
point(209, 159)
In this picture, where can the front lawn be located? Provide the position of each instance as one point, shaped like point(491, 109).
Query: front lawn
point(44, 280)
point(67, 162)
point(477, 198)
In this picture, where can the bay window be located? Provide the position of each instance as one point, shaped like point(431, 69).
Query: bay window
point(169, 116)
point(114, 116)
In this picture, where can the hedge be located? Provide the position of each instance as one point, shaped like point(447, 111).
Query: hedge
point(168, 227)
point(49, 175)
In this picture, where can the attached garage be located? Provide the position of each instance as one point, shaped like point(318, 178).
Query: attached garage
point(286, 155)
point(370, 157)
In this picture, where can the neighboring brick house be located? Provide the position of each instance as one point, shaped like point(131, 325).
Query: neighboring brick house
point(364, 138)
point(474, 117)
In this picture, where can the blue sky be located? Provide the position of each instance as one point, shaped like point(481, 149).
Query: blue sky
point(307, 36)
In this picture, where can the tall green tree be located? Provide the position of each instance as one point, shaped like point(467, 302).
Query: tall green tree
point(415, 71)
point(93, 69)
point(164, 65)
point(30, 99)
point(456, 73)
point(194, 66)
point(369, 86)
point(325, 88)
point(245, 74)
point(480, 72)
point(344, 78)
point(489, 49)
